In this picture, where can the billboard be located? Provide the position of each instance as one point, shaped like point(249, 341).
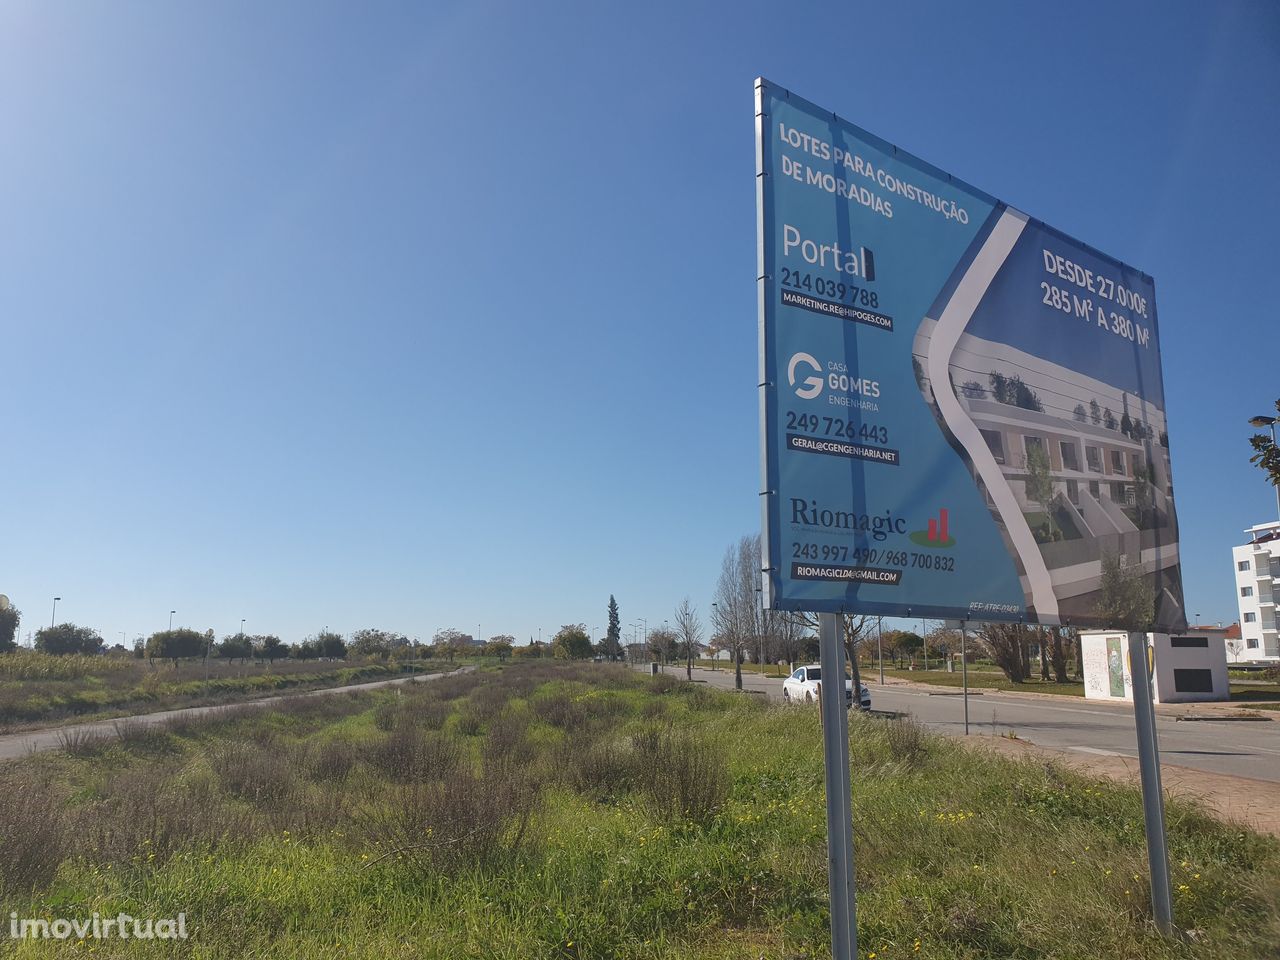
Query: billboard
point(962, 409)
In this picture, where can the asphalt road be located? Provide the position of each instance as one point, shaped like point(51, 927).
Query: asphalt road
point(16, 745)
point(1242, 748)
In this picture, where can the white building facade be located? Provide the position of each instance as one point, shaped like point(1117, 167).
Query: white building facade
point(1257, 569)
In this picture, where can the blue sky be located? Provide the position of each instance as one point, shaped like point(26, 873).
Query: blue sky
point(437, 315)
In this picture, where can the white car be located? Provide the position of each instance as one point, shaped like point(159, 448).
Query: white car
point(802, 687)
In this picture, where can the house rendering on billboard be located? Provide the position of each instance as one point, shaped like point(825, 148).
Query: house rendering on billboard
point(1086, 463)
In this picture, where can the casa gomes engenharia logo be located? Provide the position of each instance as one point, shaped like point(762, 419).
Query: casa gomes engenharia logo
point(938, 535)
point(812, 385)
point(808, 376)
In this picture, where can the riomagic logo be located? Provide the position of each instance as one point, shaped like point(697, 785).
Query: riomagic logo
point(939, 532)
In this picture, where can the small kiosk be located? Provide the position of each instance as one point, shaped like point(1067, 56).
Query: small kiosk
point(1188, 668)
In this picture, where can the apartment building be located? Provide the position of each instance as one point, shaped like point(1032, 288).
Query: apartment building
point(1087, 464)
point(1257, 570)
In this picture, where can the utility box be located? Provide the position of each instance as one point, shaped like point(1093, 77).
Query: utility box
point(1187, 668)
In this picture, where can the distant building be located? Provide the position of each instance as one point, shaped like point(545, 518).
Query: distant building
point(1257, 566)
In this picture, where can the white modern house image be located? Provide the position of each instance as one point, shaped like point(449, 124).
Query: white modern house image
point(1087, 464)
point(1257, 568)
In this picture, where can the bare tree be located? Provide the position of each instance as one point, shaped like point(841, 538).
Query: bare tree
point(736, 614)
point(1006, 645)
point(787, 634)
point(662, 641)
point(689, 629)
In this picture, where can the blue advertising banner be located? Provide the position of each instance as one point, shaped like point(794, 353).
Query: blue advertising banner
point(962, 409)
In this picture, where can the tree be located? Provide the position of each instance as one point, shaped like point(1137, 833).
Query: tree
point(1058, 653)
point(973, 390)
point(307, 650)
point(735, 615)
point(237, 647)
point(1126, 426)
point(1109, 419)
point(1095, 412)
point(535, 650)
point(1040, 487)
point(571, 643)
point(903, 645)
point(500, 646)
point(371, 642)
point(1005, 643)
point(689, 628)
point(1266, 454)
point(1127, 599)
point(1079, 413)
point(67, 638)
point(663, 641)
point(613, 638)
point(1013, 392)
point(270, 648)
point(10, 617)
point(331, 645)
point(788, 634)
point(175, 645)
point(451, 643)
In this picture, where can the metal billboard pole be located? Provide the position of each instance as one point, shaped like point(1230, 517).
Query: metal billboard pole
point(964, 671)
point(835, 753)
point(1144, 716)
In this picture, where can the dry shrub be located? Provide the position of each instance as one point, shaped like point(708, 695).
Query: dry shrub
point(507, 744)
point(408, 755)
point(450, 688)
point(559, 709)
point(601, 770)
point(683, 776)
point(250, 773)
point(34, 834)
point(470, 721)
point(664, 683)
point(142, 737)
point(153, 810)
point(653, 709)
point(907, 741)
point(426, 713)
point(83, 741)
point(331, 761)
point(462, 821)
point(384, 715)
point(320, 707)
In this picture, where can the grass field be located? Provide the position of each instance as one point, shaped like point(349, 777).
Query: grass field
point(574, 811)
point(38, 689)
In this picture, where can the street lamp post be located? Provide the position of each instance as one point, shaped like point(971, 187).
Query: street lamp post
point(715, 610)
point(171, 613)
point(54, 617)
point(1269, 422)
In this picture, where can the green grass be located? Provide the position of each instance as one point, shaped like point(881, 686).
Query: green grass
point(636, 818)
point(1259, 696)
point(978, 679)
